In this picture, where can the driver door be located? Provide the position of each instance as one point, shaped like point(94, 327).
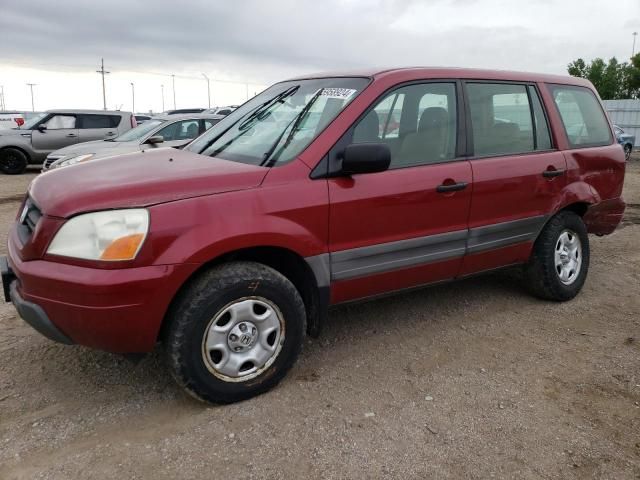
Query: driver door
point(400, 228)
point(61, 130)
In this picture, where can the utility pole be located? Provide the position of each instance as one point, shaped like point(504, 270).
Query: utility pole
point(633, 50)
point(247, 85)
point(173, 81)
point(133, 99)
point(31, 85)
point(162, 93)
point(2, 104)
point(103, 73)
point(208, 90)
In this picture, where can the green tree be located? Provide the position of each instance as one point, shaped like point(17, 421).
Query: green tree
point(613, 80)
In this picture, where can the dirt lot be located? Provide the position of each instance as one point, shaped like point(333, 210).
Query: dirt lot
point(469, 380)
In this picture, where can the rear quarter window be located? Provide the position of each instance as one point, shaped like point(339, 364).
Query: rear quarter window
point(582, 116)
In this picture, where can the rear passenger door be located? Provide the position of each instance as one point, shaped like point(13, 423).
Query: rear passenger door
point(408, 225)
point(97, 126)
point(517, 173)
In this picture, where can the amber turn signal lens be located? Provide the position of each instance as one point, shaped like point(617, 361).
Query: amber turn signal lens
point(123, 248)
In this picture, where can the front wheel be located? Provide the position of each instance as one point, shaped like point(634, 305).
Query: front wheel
point(13, 161)
point(627, 151)
point(235, 332)
point(559, 262)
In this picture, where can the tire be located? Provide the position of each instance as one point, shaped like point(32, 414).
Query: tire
point(12, 161)
point(549, 259)
point(200, 339)
point(627, 151)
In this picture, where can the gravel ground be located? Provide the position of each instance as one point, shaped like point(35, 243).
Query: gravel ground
point(474, 379)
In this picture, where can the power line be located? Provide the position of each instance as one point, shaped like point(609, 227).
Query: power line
point(104, 92)
point(31, 85)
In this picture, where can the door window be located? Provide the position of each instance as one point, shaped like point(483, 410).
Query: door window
point(501, 119)
point(210, 123)
point(582, 116)
point(99, 121)
point(183, 130)
point(58, 122)
point(417, 122)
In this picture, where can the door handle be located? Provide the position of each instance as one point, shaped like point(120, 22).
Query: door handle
point(71, 135)
point(552, 173)
point(451, 187)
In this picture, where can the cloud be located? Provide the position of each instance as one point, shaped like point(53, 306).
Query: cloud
point(291, 35)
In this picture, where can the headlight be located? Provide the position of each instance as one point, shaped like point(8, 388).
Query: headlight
point(72, 161)
point(112, 235)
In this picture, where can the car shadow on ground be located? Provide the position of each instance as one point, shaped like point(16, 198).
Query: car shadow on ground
point(442, 306)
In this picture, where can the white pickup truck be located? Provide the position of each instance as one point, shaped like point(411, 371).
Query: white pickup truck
point(11, 119)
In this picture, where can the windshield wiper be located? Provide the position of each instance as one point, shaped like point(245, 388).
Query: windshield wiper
point(244, 126)
point(262, 108)
point(295, 123)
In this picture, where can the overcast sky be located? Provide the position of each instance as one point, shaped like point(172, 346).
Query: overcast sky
point(252, 43)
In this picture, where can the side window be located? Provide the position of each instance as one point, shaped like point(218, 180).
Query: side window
point(210, 123)
point(501, 119)
point(98, 121)
point(417, 122)
point(183, 130)
point(584, 120)
point(58, 122)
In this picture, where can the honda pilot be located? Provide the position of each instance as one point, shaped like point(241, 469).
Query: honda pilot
point(319, 191)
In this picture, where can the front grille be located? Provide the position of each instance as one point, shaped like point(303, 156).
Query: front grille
point(28, 220)
point(48, 161)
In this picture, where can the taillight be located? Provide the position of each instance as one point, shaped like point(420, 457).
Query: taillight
point(134, 124)
point(19, 121)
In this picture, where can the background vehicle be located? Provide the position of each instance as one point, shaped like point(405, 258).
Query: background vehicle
point(230, 250)
point(167, 131)
point(626, 140)
point(142, 118)
point(15, 119)
point(38, 137)
point(222, 110)
point(180, 111)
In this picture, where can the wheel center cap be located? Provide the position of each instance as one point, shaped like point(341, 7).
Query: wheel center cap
point(242, 336)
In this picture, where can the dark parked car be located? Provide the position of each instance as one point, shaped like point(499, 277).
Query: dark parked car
point(181, 111)
point(168, 131)
point(232, 249)
point(626, 140)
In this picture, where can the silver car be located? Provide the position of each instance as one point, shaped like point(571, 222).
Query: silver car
point(55, 129)
point(163, 131)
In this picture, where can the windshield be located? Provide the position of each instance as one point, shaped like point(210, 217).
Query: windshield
point(140, 131)
point(29, 124)
point(275, 126)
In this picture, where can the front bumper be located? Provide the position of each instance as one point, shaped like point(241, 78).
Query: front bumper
point(114, 310)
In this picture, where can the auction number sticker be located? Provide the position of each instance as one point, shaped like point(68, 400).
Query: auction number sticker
point(336, 92)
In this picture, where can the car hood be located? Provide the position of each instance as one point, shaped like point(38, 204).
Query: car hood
point(139, 180)
point(94, 147)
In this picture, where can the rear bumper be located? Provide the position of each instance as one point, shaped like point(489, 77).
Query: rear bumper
point(114, 310)
point(604, 217)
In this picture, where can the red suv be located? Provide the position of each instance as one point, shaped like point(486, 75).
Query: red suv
point(320, 190)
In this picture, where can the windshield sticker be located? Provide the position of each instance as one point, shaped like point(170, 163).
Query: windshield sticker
point(343, 93)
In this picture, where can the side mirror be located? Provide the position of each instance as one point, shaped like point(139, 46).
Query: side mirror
point(42, 127)
point(155, 140)
point(365, 158)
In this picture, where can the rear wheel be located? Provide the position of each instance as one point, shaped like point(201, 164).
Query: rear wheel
point(235, 332)
point(559, 263)
point(627, 151)
point(12, 161)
